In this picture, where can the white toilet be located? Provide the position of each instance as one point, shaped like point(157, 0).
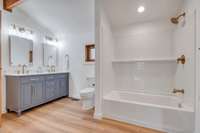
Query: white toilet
point(88, 94)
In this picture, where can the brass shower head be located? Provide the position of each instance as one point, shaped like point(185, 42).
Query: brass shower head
point(175, 20)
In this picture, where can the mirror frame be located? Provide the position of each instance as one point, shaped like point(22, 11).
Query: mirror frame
point(30, 58)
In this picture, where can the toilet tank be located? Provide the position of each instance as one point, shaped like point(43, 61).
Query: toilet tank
point(90, 82)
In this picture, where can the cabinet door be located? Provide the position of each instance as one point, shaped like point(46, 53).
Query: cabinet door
point(37, 92)
point(67, 84)
point(50, 89)
point(26, 94)
point(63, 87)
point(57, 90)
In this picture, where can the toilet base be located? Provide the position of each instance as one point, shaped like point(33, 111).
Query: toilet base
point(87, 104)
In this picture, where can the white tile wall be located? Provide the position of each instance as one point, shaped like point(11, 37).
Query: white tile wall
point(146, 40)
point(156, 39)
point(155, 77)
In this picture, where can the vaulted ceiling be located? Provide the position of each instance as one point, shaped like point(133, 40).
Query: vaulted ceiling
point(77, 16)
point(62, 16)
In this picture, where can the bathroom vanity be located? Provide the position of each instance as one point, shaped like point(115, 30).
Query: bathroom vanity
point(27, 91)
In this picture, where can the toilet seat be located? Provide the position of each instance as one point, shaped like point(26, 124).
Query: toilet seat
point(87, 92)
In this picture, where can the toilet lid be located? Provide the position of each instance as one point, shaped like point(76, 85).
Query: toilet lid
point(87, 90)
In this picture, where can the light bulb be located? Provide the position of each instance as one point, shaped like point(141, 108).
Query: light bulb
point(141, 9)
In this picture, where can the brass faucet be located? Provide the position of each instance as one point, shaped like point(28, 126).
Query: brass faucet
point(178, 91)
point(23, 68)
point(181, 59)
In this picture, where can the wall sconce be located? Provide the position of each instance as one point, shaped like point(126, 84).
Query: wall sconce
point(15, 30)
point(51, 41)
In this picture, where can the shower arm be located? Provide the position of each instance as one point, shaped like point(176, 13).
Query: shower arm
point(183, 14)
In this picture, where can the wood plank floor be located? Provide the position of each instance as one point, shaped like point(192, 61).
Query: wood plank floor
point(64, 116)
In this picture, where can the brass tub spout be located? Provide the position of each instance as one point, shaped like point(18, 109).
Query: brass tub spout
point(181, 59)
point(178, 91)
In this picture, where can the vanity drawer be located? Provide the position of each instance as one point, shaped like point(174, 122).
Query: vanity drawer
point(51, 77)
point(25, 80)
point(36, 78)
point(31, 79)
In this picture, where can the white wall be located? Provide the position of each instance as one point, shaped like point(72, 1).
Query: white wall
point(18, 17)
point(153, 39)
point(105, 43)
point(74, 46)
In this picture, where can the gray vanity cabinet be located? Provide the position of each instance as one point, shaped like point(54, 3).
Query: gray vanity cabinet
point(62, 85)
point(26, 96)
point(24, 92)
point(37, 93)
point(32, 92)
point(51, 86)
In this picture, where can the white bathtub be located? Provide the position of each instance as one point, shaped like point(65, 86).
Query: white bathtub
point(154, 111)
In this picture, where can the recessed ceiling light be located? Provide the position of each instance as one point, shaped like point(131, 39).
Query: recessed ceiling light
point(141, 9)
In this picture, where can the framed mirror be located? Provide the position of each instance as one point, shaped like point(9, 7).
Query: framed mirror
point(21, 51)
point(50, 55)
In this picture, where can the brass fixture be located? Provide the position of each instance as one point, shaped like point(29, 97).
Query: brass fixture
point(175, 20)
point(181, 59)
point(178, 91)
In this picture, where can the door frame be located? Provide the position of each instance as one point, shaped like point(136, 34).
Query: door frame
point(1, 78)
point(197, 52)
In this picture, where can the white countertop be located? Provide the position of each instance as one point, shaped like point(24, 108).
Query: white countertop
point(35, 74)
